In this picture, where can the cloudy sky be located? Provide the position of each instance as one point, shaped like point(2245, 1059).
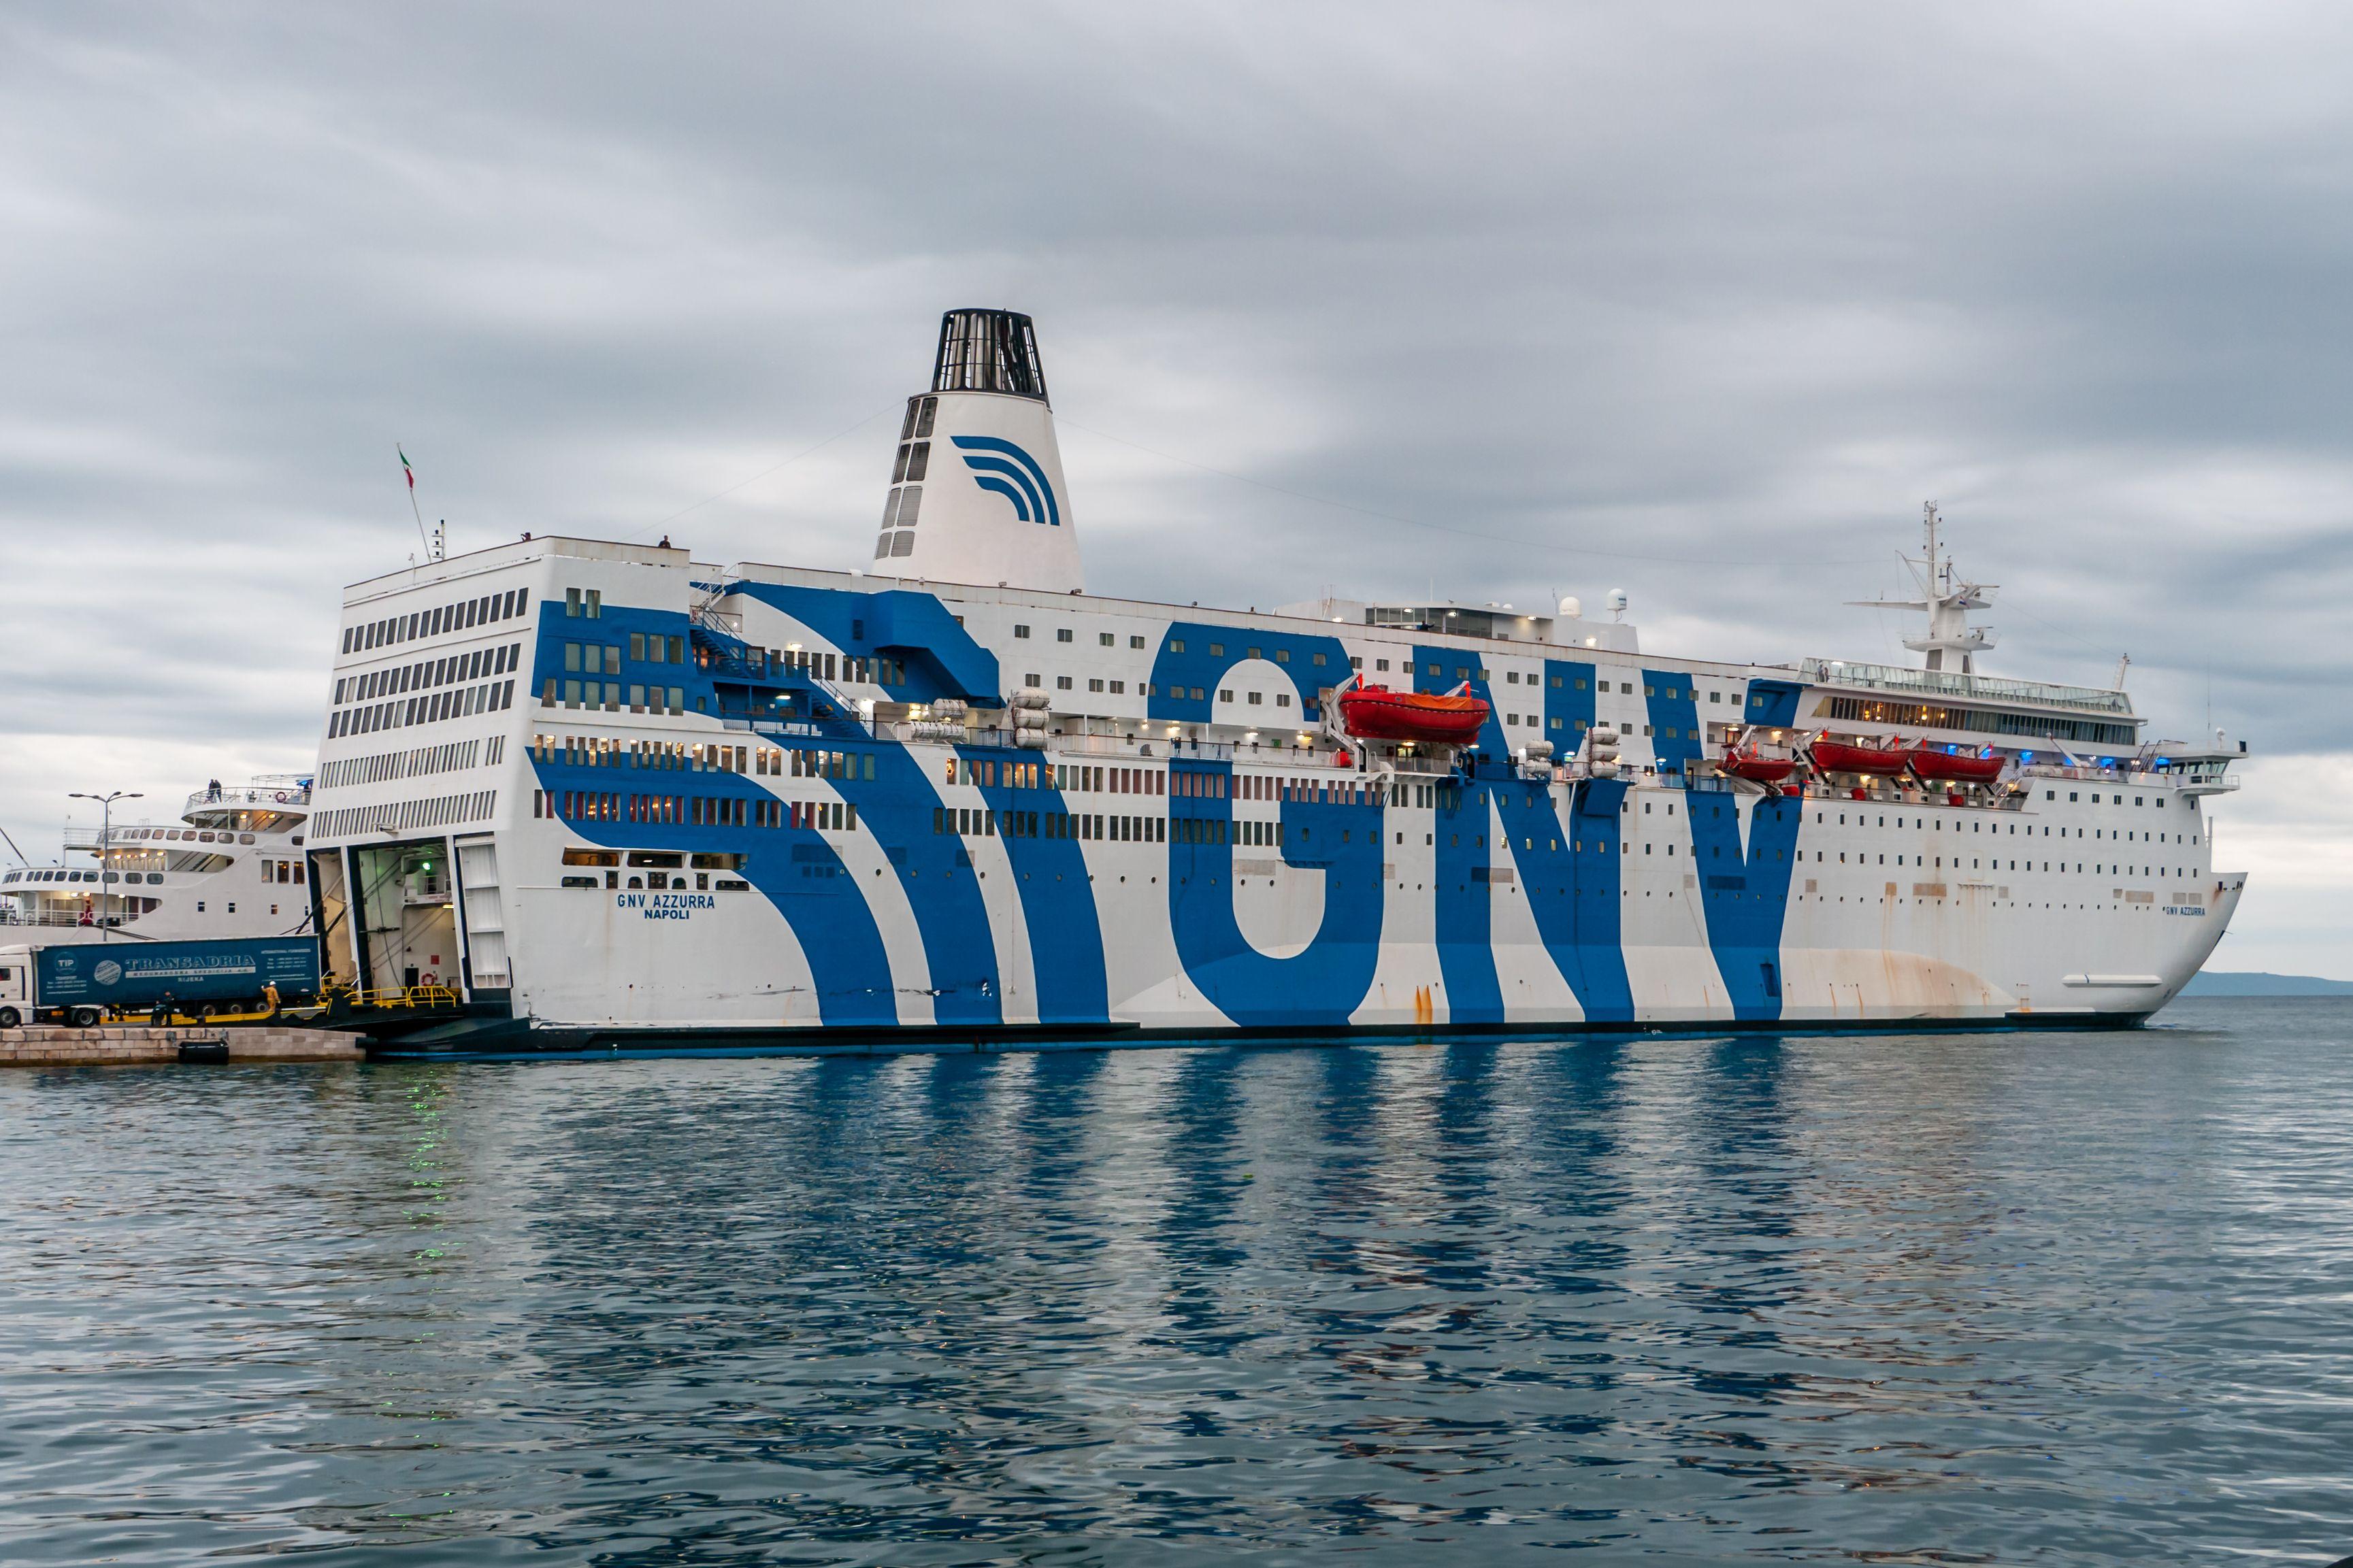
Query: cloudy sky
point(1698, 301)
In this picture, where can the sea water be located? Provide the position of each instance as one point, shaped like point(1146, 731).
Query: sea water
point(2051, 1297)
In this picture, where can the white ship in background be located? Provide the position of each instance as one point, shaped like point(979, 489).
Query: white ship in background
point(233, 866)
point(619, 797)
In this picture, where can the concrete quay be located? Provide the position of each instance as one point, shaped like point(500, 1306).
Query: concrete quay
point(139, 1045)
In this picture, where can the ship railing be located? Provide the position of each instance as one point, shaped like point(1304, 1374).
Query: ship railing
point(2092, 772)
point(1834, 672)
point(11, 915)
point(272, 797)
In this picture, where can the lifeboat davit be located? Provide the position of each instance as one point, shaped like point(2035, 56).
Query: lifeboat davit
point(1949, 767)
point(1376, 714)
point(1749, 765)
point(1838, 757)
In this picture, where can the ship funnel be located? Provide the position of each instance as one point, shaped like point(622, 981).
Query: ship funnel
point(976, 492)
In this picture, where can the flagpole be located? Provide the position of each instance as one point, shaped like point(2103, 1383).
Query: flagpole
point(411, 475)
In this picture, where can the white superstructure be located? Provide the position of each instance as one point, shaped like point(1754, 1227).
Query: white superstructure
point(616, 795)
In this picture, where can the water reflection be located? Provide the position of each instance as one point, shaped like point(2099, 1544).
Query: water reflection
point(1932, 1299)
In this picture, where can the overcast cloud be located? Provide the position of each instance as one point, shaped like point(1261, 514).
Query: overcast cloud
point(1700, 301)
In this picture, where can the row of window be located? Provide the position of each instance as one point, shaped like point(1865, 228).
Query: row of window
point(1980, 825)
point(1919, 715)
point(654, 860)
point(604, 658)
point(453, 670)
point(665, 756)
point(451, 617)
point(400, 712)
point(449, 757)
point(177, 835)
point(399, 815)
point(1976, 863)
point(640, 698)
point(970, 822)
point(693, 810)
point(1107, 639)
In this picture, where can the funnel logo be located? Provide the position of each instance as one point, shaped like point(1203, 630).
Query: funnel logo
point(1002, 467)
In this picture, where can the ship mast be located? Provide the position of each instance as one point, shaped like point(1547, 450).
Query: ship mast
point(1948, 600)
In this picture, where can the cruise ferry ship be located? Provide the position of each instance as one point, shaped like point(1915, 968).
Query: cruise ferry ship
point(233, 865)
point(617, 796)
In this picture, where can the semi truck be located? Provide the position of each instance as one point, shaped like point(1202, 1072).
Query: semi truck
point(82, 982)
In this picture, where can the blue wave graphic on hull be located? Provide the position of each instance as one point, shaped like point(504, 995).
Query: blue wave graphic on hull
point(1002, 467)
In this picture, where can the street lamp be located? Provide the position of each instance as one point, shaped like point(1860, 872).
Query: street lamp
point(105, 845)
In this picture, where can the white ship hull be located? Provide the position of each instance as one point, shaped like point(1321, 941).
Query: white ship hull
point(1273, 892)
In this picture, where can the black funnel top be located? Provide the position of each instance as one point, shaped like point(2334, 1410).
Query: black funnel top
point(988, 351)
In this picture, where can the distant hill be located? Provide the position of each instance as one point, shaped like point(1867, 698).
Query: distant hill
point(2213, 985)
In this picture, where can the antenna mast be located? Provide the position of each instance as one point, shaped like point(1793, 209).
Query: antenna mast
point(1948, 601)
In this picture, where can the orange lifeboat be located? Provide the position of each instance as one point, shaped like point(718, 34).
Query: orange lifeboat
point(1748, 764)
point(1378, 713)
point(1955, 767)
point(1838, 757)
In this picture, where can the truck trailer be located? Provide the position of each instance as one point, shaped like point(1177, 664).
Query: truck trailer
point(81, 982)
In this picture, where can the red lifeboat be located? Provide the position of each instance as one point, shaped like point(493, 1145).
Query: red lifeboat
point(1376, 714)
point(1748, 764)
point(1958, 768)
point(1838, 757)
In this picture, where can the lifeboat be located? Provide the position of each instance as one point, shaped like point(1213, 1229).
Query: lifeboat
point(1743, 765)
point(1378, 713)
point(1838, 757)
point(1948, 767)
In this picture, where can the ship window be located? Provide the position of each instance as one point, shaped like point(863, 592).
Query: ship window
point(1649, 690)
point(924, 419)
point(1119, 687)
point(1216, 650)
point(638, 644)
point(1380, 664)
point(1319, 659)
point(1094, 685)
point(1062, 683)
point(1062, 634)
point(1020, 631)
point(1225, 694)
point(1103, 638)
point(918, 460)
point(1282, 699)
point(1716, 697)
point(1511, 676)
point(1256, 698)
